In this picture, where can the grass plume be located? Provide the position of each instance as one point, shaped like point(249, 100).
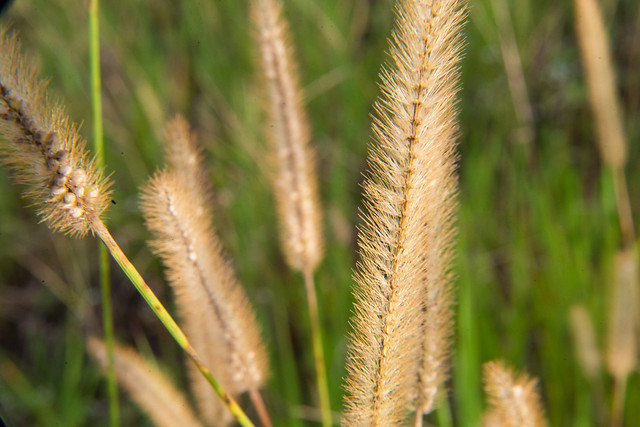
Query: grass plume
point(399, 350)
point(45, 149)
point(294, 176)
point(597, 63)
point(622, 347)
point(585, 343)
point(601, 82)
point(146, 385)
point(216, 313)
point(293, 172)
point(514, 400)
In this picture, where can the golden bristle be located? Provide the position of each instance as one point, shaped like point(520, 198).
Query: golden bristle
point(294, 175)
point(399, 350)
point(146, 385)
point(44, 149)
point(183, 153)
point(514, 401)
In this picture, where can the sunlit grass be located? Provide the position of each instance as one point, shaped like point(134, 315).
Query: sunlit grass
point(538, 222)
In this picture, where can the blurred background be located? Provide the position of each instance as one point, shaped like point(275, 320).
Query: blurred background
point(538, 222)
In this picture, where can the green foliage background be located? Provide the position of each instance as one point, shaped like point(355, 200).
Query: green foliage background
point(538, 225)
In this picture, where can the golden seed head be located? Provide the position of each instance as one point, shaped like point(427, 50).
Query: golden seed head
point(44, 149)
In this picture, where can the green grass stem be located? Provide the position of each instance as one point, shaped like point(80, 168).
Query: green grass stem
point(98, 146)
point(318, 351)
point(132, 273)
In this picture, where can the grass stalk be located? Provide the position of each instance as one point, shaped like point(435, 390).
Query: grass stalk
point(318, 351)
point(98, 146)
point(444, 414)
point(98, 227)
point(619, 396)
point(261, 408)
point(623, 204)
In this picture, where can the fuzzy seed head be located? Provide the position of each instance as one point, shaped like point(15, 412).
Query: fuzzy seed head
point(294, 172)
point(146, 385)
point(45, 150)
point(403, 323)
point(514, 400)
point(215, 312)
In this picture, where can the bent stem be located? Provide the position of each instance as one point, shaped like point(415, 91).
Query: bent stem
point(318, 352)
point(98, 227)
point(98, 144)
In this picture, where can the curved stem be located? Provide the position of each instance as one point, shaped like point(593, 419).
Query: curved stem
point(318, 352)
point(101, 231)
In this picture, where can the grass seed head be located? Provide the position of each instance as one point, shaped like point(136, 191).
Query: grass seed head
point(44, 149)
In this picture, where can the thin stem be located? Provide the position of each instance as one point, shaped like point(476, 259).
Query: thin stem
point(419, 419)
point(261, 408)
point(318, 352)
point(619, 393)
point(444, 414)
point(98, 145)
point(624, 207)
point(172, 327)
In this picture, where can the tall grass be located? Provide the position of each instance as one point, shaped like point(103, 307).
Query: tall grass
point(538, 224)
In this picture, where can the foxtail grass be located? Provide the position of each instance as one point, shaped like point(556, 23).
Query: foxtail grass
point(597, 63)
point(214, 309)
point(403, 323)
point(45, 150)
point(514, 400)
point(293, 168)
point(601, 82)
point(584, 338)
point(621, 355)
point(598, 66)
point(588, 356)
point(146, 385)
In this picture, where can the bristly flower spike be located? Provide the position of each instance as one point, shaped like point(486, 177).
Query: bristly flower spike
point(514, 399)
point(294, 175)
point(45, 149)
point(401, 345)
